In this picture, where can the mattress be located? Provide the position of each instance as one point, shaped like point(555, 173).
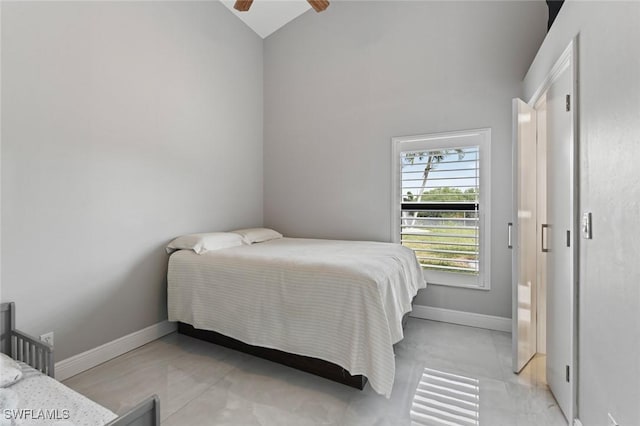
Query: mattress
point(340, 301)
point(42, 400)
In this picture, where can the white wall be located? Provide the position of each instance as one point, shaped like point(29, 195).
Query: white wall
point(123, 125)
point(340, 85)
point(609, 149)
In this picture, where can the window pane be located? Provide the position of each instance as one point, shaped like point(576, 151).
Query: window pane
point(440, 199)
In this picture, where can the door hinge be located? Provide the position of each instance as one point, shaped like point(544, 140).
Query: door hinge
point(568, 103)
point(568, 377)
point(568, 238)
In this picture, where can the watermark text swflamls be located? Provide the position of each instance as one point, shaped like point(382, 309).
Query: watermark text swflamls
point(36, 414)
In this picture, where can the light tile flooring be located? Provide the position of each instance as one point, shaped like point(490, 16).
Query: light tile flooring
point(203, 384)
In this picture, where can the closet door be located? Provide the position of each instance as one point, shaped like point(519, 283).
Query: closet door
point(560, 240)
point(522, 234)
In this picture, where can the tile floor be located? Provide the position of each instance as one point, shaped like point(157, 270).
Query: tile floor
point(203, 384)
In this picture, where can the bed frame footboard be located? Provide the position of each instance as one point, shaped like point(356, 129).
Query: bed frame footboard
point(21, 346)
point(33, 352)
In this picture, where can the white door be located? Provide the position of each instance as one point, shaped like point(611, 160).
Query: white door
point(523, 234)
point(560, 240)
point(541, 277)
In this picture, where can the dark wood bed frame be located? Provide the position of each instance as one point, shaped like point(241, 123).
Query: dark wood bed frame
point(315, 366)
point(311, 365)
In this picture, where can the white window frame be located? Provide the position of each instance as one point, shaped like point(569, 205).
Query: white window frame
point(445, 140)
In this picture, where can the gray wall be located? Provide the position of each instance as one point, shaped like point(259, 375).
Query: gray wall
point(609, 147)
point(339, 87)
point(123, 125)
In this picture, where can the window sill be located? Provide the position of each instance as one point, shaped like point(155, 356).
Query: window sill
point(451, 279)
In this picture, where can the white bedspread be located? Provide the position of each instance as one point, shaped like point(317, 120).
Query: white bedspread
point(45, 401)
point(340, 301)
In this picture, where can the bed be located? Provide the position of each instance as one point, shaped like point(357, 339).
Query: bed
point(333, 308)
point(38, 399)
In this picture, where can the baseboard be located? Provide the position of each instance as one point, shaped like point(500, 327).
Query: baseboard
point(462, 318)
point(78, 363)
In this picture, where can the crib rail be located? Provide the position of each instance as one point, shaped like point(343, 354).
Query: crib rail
point(147, 413)
point(32, 351)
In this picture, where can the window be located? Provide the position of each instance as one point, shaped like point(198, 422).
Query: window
point(441, 202)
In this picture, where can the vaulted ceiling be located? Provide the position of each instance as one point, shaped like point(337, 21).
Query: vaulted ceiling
point(267, 16)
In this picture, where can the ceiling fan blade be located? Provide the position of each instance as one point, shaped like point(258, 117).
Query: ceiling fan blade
point(242, 5)
point(318, 5)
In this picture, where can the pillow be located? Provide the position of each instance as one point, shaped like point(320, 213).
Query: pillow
point(10, 371)
point(205, 242)
point(257, 235)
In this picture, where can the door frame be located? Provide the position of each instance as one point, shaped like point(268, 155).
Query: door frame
point(569, 58)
